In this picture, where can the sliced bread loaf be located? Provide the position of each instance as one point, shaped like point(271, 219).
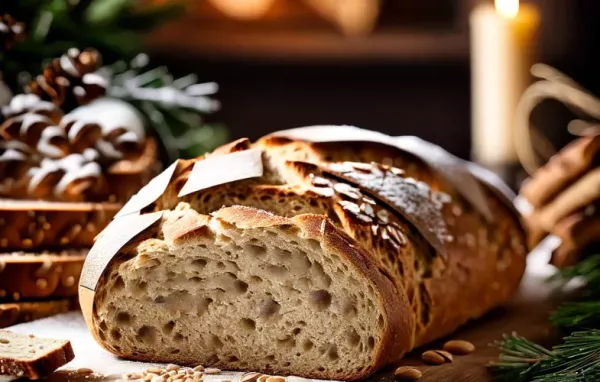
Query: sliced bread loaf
point(13, 313)
point(246, 289)
point(27, 356)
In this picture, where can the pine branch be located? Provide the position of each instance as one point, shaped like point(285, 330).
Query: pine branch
point(577, 315)
point(576, 360)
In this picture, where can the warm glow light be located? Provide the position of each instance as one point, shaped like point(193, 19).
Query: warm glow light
point(507, 8)
point(243, 9)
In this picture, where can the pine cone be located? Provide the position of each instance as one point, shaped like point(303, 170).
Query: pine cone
point(44, 154)
point(11, 32)
point(71, 80)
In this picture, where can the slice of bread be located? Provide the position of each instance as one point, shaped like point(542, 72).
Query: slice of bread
point(31, 225)
point(26, 275)
point(247, 289)
point(26, 356)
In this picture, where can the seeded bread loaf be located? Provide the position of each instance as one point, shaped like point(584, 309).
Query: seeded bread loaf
point(27, 356)
point(263, 286)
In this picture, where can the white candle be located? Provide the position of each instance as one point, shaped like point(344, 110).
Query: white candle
point(503, 45)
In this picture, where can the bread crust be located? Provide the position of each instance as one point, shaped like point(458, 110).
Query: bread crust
point(13, 313)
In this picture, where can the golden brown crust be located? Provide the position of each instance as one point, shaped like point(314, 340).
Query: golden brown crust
point(33, 225)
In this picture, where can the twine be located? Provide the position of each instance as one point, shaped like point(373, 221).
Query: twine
point(533, 148)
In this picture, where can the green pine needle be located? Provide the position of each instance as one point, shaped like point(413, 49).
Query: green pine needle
point(577, 359)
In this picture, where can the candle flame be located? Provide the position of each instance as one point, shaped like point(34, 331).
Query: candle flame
point(507, 8)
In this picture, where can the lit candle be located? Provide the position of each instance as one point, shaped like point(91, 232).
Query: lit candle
point(503, 45)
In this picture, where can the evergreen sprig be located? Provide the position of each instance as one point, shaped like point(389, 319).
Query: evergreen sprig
point(172, 106)
point(577, 359)
point(115, 28)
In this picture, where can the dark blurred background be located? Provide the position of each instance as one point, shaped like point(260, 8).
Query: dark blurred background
point(409, 75)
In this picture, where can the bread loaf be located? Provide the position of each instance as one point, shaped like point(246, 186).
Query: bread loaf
point(344, 256)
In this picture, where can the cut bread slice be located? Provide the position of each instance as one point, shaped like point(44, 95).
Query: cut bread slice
point(27, 356)
point(13, 313)
point(27, 275)
point(30, 225)
point(247, 289)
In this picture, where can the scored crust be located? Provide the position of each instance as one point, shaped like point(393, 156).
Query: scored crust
point(181, 228)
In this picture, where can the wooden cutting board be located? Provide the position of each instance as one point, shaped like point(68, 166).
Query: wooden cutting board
point(527, 315)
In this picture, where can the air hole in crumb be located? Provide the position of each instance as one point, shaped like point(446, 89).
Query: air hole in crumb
point(332, 353)
point(159, 300)
point(303, 323)
point(175, 351)
point(119, 284)
point(115, 334)
point(287, 364)
point(101, 335)
point(277, 270)
point(146, 334)
point(286, 343)
point(103, 325)
point(296, 331)
point(168, 327)
point(320, 299)
point(352, 337)
point(220, 265)
point(255, 250)
point(233, 359)
point(216, 341)
point(269, 308)
point(380, 321)
point(199, 264)
point(178, 337)
point(123, 318)
point(270, 358)
point(196, 280)
point(321, 368)
point(307, 345)
point(240, 286)
point(248, 324)
point(256, 279)
point(371, 342)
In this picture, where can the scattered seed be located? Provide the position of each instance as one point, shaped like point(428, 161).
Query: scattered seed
point(459, 347)
point(154, 370)
point(158, 378)
point(447, 356)
point(171, 367)
point(250, 377)
point(198, 368)
point(212, 370)
point(263, 378)
point(85, 370)
point(275, 379)
point(189, 380)
point(407, 373)
point(433, 357)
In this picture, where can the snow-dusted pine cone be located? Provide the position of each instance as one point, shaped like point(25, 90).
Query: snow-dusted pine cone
point(75, 157)
point(71, 80)
point(11, 32)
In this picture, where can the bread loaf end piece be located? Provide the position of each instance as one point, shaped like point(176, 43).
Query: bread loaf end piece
point(247, 289)
point(27, 356)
